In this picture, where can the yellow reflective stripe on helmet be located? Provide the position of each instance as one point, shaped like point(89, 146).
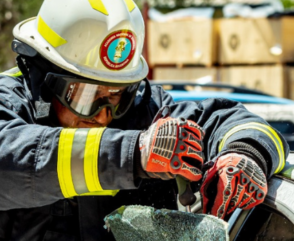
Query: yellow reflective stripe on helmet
point(49, 35)
point(64, 162)
point(270, 132)
point(91, 159)
point(130, 4)
point(92, 56)
point(99, 6)
point(14, 72)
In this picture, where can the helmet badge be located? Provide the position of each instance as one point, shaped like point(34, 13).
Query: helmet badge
point(118, 49)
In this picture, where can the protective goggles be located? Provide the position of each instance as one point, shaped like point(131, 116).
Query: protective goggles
point(86, 98)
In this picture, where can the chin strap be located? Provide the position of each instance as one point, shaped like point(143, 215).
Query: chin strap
point(147, 91)
point(32, 84)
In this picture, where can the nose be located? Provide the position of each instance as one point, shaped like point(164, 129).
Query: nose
point(103, 117)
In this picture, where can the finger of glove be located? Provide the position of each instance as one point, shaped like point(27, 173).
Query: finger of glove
point(250, 201)
point(225, 191)
point(240, 185)
point(187, 153)
point(208, 179)
point(237, 197)
point(186, 170)
point(165, 175)
point(161, 175)
point(250, 182)
point(192, 127)
point(191, 139)
point(153, 175)
point(208, 182)
point(254, 180)
point(186, 126)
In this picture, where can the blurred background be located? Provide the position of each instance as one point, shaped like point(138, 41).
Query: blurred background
point(243, 43)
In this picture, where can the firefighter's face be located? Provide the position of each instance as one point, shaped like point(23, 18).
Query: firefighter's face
point(85, 95)
point(68, 119)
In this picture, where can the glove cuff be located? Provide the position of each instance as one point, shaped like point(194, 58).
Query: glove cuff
point(138, 169)
point(248, 150)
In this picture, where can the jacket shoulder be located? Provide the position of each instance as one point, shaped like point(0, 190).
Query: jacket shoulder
point(11, 78)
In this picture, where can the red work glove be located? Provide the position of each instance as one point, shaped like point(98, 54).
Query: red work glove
point(234, 181)
point(172, 147)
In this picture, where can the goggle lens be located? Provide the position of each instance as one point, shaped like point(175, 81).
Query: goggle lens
point(88, 99)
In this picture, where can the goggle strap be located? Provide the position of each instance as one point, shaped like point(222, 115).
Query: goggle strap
point(56, 86)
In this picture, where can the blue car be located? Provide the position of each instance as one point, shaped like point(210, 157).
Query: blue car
point(278, 112)
point(183, 91)
point(180, 95)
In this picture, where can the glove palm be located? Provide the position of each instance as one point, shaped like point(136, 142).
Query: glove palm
point(237, 182)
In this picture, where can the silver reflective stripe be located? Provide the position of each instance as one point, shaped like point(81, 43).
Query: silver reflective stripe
point(77, 161)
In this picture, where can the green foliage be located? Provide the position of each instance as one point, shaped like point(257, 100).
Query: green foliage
point(187, 3)
point(11, 13)
point(288, 4)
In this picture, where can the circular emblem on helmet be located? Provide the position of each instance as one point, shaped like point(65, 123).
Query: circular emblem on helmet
point(118, 49)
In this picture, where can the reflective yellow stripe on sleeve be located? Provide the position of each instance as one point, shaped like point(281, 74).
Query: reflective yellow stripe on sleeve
point(64, 162)
point(14, 72)
point(91, 159)
point(270, 132)
point(78, 162)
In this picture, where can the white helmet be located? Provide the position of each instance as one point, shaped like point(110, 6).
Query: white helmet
point(97, 39)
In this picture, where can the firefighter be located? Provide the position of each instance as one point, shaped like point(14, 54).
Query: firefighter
point(83, 133)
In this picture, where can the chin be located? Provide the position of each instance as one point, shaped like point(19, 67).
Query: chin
point(83, 124)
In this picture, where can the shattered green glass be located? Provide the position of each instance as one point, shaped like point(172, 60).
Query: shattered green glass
point(142, 223)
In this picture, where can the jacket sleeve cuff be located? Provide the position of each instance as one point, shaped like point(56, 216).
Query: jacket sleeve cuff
point(248, 150)
point(116, 159)
point(138, 170)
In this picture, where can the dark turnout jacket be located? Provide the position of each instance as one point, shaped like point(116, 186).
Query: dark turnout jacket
point(58, 183)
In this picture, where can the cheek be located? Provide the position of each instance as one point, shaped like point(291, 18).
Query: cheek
point(65, 117)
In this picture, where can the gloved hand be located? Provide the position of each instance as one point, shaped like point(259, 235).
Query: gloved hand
point(172, 147)
point(234, 181)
